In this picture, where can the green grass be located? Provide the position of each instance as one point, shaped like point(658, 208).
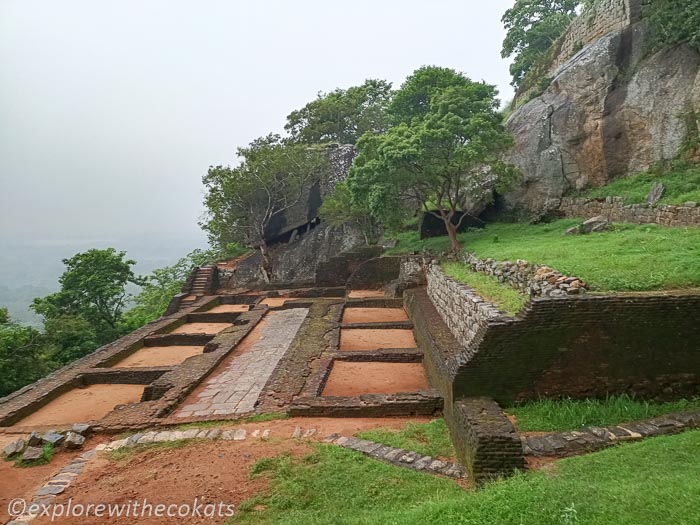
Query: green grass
point(629, 258)
point(430, 439)
point(654, 481)
point(508, 299)
point(567, 414)
point(48, 451)
point(682, 185)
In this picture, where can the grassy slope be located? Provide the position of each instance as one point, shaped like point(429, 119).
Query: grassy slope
point(682, 185)
point(502, 295)
point(431, 439)
point(567, 414)
point(630, 258)
point(655, 481)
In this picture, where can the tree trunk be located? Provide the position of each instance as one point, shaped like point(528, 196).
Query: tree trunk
point(456, 246)
point(266, 262)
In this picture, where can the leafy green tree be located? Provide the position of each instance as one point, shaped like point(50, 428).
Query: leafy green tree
point(343, 115)
point(674, 22)
point(532, 27)
point(92, 287)
point(69, 337)
point(412, 101)
point(273, 177)
point(339, 209)
point(21, 359)
point(442, 161)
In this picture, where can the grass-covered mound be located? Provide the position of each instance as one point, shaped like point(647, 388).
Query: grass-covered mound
point(628, 258)
point(682, 185)
point(507, 298)
point(655, 481)
point(552, 415)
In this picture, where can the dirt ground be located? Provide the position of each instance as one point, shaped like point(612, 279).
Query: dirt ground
point(83, 404)
point(16, 482)
point(212, 471)
point(374, 315)
point(200, 328)
point(159, 356)
point(359, 339)
point(273, 302)
point(377, 378)
point(229, 308)
point(365, 294)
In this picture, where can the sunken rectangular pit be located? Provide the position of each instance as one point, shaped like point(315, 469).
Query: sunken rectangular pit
point(361, 315)
point(352, 379)
point(154, 356)
point(82, 404)
point(368, 339)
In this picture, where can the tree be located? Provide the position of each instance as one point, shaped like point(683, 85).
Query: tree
point(532, 28)
point(339, 209)
point(343, 115)
point(441, 161)
point(21, 359)
point(273, 177)
point(412, 101)
point(674, 22)
point(92, 287)
point(69, 337)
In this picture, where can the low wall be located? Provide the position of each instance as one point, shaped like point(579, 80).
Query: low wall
point(375, 273)
point(614, 209)
point(645, 344)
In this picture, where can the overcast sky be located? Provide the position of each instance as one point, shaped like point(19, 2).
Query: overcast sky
point(111, 112)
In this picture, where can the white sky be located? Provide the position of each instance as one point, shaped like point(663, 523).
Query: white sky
point(111, 112)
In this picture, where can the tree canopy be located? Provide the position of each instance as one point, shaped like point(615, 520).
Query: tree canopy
point(446, 156)
point(93, 287)
point(273, 176)
point(343, 115)
point(532, 27)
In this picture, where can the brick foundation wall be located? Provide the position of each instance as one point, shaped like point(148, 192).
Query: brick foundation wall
point(375, 273)
point(614, 209)
point(646, 344)
point(485, 439)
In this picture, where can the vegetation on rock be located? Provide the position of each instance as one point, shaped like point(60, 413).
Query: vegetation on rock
point(241, 202)
point(532, 27)
point(674, 22)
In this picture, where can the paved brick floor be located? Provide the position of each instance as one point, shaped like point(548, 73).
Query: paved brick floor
point(235, 387)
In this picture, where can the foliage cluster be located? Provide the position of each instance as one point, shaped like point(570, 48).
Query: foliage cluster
point(674, 22)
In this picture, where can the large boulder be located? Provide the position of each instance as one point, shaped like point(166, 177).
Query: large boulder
point(608, 112)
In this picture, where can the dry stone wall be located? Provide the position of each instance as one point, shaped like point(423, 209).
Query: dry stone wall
point(614, 209)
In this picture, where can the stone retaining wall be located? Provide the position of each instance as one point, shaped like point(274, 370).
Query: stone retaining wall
point(645, 344)
point(614, 209)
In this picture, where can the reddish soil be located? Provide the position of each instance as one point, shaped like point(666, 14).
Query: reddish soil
point(360, 339)
point(354, 379)
point(200, 328)
point(211, 472)
point(83, 404)
point(189, 298)
point(226, 308)
point(159, 356)
point(365, 294)
point(16, 482)
point(374, 315)
point(273, 302)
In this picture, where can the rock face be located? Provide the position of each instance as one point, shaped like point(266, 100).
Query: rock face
point(609, 111)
